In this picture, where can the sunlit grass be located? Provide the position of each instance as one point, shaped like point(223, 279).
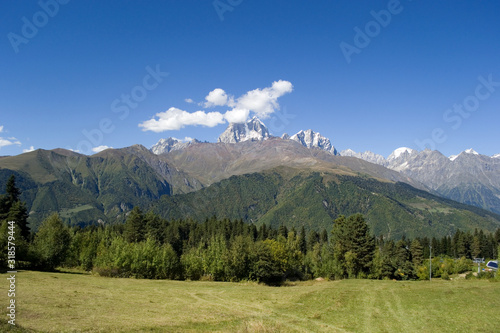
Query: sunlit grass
point(66, 302)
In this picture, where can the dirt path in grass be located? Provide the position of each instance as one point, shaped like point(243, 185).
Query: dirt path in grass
point(256, 311)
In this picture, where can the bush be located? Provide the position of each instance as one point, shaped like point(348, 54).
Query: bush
point(423, 272)
point(486, 275)
point(463, 265)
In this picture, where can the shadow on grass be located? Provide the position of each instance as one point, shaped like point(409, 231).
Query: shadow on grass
point(6, 327)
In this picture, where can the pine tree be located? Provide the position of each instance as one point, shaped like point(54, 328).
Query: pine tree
point(416, 253)
point(323, 238)
point(283, 231)
point(402, 259)
point(13, 209)
point(155, 227)
point(19, 214)
point(13, 192)
point(135, 226)
point(476, 247)
point(353, 235)
point(312, 240)
point(302, 240)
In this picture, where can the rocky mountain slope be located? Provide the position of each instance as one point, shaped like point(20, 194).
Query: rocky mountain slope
point(469, 177)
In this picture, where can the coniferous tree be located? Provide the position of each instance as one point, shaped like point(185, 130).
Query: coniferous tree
point(12, 191)
point(352, 237)
point(283, 231)
point(302, 240)
point(323, 238)
point(404, 267)
point(416, 253)
point(476, 246)
point(13, 209)
point(312, 240)
point(135, 226)
point(155, 227)
point(263, 233)
point(19, 214)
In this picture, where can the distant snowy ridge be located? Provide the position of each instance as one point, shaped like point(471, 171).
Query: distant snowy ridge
point(311, 139)
point(367, 156)
point(400, 155)
point(164, 146)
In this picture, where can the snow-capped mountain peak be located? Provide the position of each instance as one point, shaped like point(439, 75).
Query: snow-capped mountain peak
point(466, 152)
point(348, 152)
point(401, 152)
point(311, 139)
point(471, 151)
point(496, 156)
point(252, 130)
point(167, 145)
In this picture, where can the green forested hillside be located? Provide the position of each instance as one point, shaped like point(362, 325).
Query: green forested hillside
point(106, 186)
point(82, 189)
point(295, 198)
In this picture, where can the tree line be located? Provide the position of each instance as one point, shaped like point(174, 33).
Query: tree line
point(148, 246)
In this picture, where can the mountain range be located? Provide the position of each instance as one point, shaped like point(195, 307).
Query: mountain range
point(468, 177)
point(250, 175)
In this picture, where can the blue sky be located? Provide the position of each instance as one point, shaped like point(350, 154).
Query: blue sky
point(369, 75)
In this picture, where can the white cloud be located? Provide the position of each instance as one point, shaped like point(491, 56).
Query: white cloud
point(29, 149)
point(218, 97)
point(237, 115)
point(100, 148)
point(1, 129)
point(189, 100)
point(261, 102)
point(175, 119)
point(186, 139)
point(8, 142)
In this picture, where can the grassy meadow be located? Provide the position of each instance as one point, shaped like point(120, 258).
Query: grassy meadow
point(73, 302)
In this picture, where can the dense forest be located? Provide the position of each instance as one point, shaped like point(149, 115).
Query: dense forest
point(148, 246)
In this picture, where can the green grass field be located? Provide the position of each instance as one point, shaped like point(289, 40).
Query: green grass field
point(65, 302)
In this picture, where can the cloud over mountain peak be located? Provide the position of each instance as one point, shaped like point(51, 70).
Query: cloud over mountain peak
point(260, 102)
